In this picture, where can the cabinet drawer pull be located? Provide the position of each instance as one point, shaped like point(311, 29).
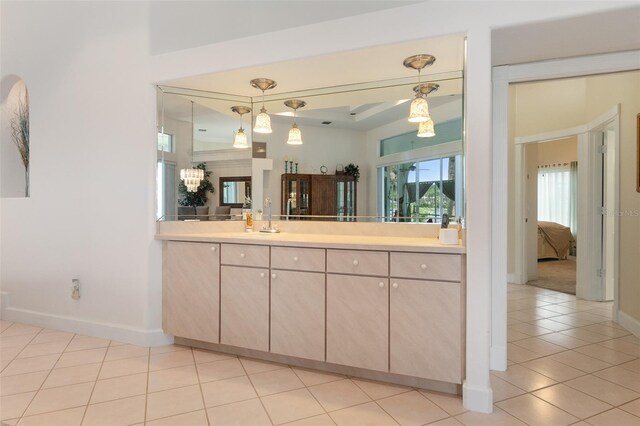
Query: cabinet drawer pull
point(423, 266)
point(213, 248)
point(242, 255)
point(395, 285)
point(295, 258)
point(381, 284)
point(355, 262)
point(274, 276)
point(261, 274)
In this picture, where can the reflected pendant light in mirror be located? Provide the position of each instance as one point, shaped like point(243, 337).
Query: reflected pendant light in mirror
point(193, 176)
point(295, 135)
point(419, 108)
point(426, 130)
point(263, 121)
point(240, 137)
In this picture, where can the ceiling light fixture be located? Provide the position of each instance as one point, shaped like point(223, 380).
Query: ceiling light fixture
point(419, 108)
point(426, 130)
point(240, 137)
point(263, 121)
point(295, 135)
point(193, 176)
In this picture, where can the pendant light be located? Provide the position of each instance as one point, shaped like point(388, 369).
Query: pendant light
point(240, 138)
point(193, 176)
point(263, 121)
point(295, 135)
point(419, 108)
point(425, 128)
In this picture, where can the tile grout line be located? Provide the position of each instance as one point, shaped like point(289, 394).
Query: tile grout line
point(256, 390)
point(45, 379)
point(86, 408)
point(204, 403)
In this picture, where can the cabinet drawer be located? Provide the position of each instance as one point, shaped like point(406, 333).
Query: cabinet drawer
point(245, 255)
point(426, 266)
point(297, 259)
point(358, 262)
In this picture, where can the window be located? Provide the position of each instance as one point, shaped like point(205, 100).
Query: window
point(421, 191)
point(165, 142)
point(557, 194)
point(166, 191)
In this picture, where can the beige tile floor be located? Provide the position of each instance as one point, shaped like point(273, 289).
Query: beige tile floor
point(568, 364)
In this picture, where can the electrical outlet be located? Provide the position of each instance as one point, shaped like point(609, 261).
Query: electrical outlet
point(75, 292)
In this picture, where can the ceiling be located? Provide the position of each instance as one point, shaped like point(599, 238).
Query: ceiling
point(343, 88)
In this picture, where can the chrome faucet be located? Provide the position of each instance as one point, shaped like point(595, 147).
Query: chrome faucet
point(269, 228)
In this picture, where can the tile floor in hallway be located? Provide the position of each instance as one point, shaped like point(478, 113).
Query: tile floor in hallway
point(568, 364)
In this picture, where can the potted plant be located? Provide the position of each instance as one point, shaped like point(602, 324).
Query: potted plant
point(352, 170)
point(197, 199)
point(20, 135)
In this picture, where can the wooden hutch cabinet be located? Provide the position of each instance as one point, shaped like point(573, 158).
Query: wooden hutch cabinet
point(319, 195)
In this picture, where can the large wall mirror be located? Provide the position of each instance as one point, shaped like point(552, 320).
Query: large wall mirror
point(353, 118)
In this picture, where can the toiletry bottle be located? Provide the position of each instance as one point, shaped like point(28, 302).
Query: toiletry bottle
point(248, 224)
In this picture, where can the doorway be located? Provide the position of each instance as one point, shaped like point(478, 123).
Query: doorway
point(595, 184)
point(503, 76)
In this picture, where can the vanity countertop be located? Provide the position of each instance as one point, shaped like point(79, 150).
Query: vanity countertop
point(357, 242)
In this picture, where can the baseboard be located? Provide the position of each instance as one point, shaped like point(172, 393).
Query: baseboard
point(498, 358)
point(477, 398)
point(111, 331)
point(516, 279)
point(630, 323)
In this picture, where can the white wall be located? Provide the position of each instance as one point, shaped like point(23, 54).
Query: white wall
point(92, 208)
point(91, 211)
point(558, 152)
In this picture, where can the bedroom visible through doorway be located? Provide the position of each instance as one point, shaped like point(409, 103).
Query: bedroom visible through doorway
point(555, 199)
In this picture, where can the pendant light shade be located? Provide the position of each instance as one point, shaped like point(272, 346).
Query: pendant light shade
point(426, 130)
point(419, 112)
point(192, 178)
point(240, 137)
point(263, 121)
point(295, 135)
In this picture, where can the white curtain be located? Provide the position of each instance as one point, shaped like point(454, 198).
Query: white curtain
point(557, 194)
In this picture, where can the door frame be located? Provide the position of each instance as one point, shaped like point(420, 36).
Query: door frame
point(502, 77)
point(588, 285)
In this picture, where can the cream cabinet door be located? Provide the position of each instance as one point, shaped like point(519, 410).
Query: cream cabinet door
point(244, 307)
point(190, 290)
point(297, 314)
point(358, 321)
point(426, 329)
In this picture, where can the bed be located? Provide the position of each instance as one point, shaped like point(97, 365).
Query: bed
point(554, 240)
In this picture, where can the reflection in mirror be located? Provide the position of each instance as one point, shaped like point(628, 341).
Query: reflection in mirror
point(402, 176)
point(234, 190)
point(209, 140)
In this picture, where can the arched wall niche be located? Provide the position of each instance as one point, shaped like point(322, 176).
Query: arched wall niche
point(14, 143)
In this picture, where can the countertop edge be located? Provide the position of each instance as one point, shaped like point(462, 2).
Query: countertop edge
point(407, 244)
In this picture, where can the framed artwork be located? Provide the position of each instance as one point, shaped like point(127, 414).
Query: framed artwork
point(638, 154)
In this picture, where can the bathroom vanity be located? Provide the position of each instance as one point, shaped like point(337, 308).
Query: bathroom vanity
point(344, 298)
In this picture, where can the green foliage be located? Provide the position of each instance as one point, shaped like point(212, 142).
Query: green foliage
point(198, 198)
point(352, 170)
